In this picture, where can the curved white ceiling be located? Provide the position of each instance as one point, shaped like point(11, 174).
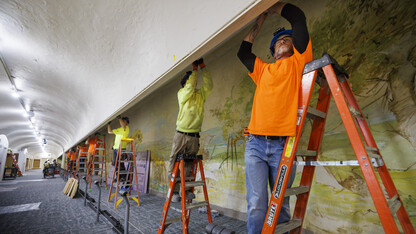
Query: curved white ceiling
point(79, 63)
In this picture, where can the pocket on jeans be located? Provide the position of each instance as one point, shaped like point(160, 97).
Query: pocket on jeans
point(250, 137)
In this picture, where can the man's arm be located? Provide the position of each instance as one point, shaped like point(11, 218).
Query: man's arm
point(207, 84)
point(297, 19)
point(186, 92)
point(109, 130)
point(244, 54)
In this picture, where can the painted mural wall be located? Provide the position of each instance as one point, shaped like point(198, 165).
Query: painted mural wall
point(375, 41)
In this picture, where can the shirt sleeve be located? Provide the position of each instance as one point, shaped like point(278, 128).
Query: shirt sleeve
point(207, 83)
point(246, 56)
point(116, 131)
point(257, 71)
point(297, 19)
point(186, 92)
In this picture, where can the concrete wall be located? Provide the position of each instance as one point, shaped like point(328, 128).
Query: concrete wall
point(4, 145)
point(375, 42)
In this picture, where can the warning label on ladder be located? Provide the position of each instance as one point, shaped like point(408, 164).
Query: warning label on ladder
point(270, 215)
point(289, 146)
point(282, 175)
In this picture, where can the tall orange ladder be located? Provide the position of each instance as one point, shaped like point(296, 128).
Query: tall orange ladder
point(187, 205)
point(100, 160)
point(125, 156)
point(81, 165)
point(15, 164)
point(332, 79)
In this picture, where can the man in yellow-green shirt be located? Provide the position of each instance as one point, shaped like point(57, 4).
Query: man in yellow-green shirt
point(188, 125)
point(122, 132)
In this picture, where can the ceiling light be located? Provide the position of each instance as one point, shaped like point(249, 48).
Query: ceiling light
point(32, 119)
point(25, 114)
point(15, 94)
point(27, 107)
point(18, 83)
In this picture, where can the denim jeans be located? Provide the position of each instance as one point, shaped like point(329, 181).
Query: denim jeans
point(262, 159)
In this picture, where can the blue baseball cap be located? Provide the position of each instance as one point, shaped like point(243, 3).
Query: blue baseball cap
point(277, 34)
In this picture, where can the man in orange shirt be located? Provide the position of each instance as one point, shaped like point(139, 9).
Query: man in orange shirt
point(73, 160)
point(274, 111)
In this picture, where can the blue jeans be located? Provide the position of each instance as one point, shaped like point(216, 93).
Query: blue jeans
point(262, 159)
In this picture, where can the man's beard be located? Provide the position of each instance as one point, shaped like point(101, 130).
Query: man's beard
point(284, 51)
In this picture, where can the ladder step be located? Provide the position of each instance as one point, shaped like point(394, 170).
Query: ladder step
point(98, 162)
point(126, 161)
point(126, 172)
point(122, 185)
point(194, 184)
point(99, 149)
point(394, 204)
point(126, 152)
point(296, 190)
point(99, 156)
point(310, 153)
point(98, 169)
point(288, 226)
point(186, 179)
point(173, 220)
point(313, 113)
point(196, 205)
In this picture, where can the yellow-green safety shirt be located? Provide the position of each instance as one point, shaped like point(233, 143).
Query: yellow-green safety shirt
point(191, 102)
point(120, 133)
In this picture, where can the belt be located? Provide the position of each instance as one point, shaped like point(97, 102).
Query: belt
point(192, 134)
point(272, 138)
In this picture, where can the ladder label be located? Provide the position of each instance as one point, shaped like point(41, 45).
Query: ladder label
point(282, 175)
point(272, 211)
point(289, 146)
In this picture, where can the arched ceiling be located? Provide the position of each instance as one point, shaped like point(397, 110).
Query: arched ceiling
point(77, 64)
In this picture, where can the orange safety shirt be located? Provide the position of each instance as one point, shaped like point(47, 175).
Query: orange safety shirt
point(73, 156)
point(275, 102)
point(92, 142)
point(68, 155)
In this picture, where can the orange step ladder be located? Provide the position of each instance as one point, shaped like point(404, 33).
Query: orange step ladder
point(187, 205)
point(332, 79)
point(81, 165)
point(100, 160)
point(125, 156)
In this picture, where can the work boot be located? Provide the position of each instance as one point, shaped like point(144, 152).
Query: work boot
point(189, 195)
point(175, 197)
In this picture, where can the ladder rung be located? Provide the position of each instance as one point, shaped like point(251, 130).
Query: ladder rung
point(394, 204)
point(98, 162)
point(122, 185)
point(296, 190)
point(196, 205)
point(99, 148)
point(288, 226)
point(83, 153)
point(126, 161)
point(194, 184)
point(126, 172)
point(173, 220)
point(99, 156)
point(98, 169)
point(312, 112)
point(186, 178)
point(126, 152)
point(310, 153)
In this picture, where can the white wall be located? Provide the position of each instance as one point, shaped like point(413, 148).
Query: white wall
point(4, 145)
